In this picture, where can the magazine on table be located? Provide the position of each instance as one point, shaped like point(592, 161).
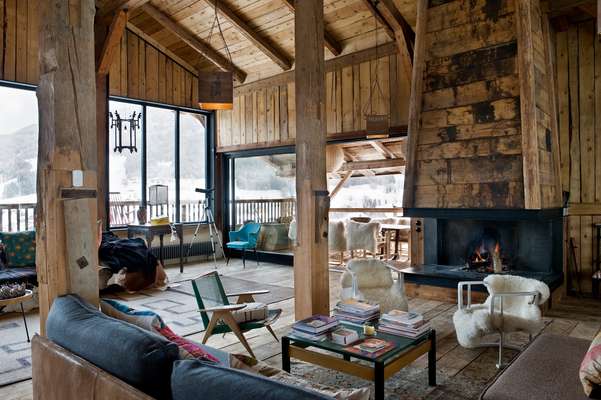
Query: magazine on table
point(371, 347)
point(316, 324)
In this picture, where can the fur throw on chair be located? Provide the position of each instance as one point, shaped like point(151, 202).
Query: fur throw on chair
point(362, 236)
point(336, 236)
point(374, 283)
point(471, 324)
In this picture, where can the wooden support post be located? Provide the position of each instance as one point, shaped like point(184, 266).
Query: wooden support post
point(66, 251)
point(311, 276)
point(532, 193)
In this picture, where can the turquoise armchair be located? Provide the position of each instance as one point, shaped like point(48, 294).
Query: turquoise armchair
point(245, 239)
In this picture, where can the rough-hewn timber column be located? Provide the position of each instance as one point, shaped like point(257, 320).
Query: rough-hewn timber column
point(311, 278)
point(66, 217)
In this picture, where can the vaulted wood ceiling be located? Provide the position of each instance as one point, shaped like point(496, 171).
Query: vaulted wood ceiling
point(259, 33)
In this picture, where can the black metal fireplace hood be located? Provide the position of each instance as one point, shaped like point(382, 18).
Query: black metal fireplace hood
point(510, 214)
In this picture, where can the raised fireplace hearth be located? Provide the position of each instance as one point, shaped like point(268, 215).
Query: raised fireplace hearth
point(464, 244)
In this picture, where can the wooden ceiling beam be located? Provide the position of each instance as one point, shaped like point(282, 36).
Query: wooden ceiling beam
point(372, 164)
point(379, 18)
point(260, 42)
point(404, 34)
point(562, 5)
point(111, 42)
point(195, 43)
point(329, 41)
point(340, 184)
point(108, 7)
point(382, 149)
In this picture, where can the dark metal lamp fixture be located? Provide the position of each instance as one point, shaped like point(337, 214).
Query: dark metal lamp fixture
point(125, 131)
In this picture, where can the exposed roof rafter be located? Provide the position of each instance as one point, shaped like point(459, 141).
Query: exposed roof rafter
point(111, 42)
point(379, 18)
point(106, 7)
point(262, 44)
point(191, 40)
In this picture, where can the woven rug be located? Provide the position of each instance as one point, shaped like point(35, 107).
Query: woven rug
point(15, 352)
point(234, 285)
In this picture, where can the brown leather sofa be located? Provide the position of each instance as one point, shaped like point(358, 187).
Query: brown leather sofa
point(60, 375)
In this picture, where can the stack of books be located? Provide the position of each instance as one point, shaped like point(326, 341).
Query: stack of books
point(357, 311)
point(314, 328)
point(344, 336)
point(404, 323)
point(371, 347)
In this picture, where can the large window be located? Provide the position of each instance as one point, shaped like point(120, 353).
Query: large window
point(160, 161)
point(18, 157)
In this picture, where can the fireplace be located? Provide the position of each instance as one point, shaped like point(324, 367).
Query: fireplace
point(463, 244)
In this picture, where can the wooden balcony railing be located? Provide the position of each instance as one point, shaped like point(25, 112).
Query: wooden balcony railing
point(17, 217)
point(264, 210)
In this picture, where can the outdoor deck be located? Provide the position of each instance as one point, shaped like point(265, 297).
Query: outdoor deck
point(462, 373)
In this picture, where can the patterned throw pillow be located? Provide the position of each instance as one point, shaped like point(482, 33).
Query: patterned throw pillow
point(20, 248)
point(590, 369)
point(151, 321)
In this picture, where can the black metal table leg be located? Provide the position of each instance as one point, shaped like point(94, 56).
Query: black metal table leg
point(432, 359)
point(286, 354)
point(25, 322)
point(181, 248)
point(346, 357)
point(379, 380)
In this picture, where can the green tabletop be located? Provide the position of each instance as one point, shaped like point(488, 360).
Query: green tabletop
point(401, 344)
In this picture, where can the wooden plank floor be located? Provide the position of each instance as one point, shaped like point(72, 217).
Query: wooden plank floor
point(462, 372)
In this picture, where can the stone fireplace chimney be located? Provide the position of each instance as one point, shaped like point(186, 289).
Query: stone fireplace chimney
point(482, 123)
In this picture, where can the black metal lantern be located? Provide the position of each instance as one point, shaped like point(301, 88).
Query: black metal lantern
point(125, 131)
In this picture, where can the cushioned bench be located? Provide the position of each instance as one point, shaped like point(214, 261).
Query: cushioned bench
point(20, 247)
point(547, 369)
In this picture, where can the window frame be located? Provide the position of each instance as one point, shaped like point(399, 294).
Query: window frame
point(209, 149)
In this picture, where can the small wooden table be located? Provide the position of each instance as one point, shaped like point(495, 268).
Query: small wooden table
point(19, 300)
point(150, 231)
point(397, 229)
point(406, 351)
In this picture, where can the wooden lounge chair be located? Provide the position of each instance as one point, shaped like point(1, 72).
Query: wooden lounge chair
point(217, 312)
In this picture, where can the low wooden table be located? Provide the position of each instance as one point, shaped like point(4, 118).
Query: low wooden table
point(150, 231)
point(397, 229)
point(406, 351)
point(19, 300)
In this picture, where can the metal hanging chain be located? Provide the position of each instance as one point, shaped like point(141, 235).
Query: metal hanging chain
point(218, 23)
point(375, 87)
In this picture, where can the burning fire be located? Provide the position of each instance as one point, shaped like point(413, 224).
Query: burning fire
point(487, 256)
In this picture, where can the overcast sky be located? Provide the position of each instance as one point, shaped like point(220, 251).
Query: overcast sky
point(18, 109)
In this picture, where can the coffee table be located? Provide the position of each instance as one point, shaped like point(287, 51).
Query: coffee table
point(19, 300)
point(405, 351)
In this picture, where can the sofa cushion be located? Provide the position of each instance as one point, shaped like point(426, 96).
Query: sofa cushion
point(151, 321)
point(547, 369)
point(20, 247)
point(138, 357)
point(590, 369)
point(192, 380)
point(18, 275)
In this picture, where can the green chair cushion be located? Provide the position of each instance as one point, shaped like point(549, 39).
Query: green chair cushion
point(20, 247)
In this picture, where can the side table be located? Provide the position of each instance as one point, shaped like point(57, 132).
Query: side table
point(150, 231)
point(19, 300)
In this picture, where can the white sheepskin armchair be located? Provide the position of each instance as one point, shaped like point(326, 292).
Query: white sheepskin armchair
point(371, 279)
point(513, 305)
point(362, 236)
point(336, 236)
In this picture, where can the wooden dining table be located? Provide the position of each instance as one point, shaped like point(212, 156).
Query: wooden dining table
point(397, 230)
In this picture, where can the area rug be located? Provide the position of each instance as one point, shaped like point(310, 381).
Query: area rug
point(15, 352)
point(236, 285)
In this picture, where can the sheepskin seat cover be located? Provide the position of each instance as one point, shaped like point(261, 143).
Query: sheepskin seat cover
point(362, 236)
point(518, 314)
point(336, 236)
point(375, 283)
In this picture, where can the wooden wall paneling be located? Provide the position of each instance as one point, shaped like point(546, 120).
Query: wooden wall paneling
point(141, 69)
point(587, 109)
point(195, 89)
point(235, 133)
point(248, 118)
point(283, 112)
point(33, 65)
point(574, 234)
point(275, 98)
point(10, 40)
point(338, 100)
point(586, 252)
point(597, 116)
point(269, 113)
point(21, 46)
point(169, 81)
point(255, 116)
point(357, 102)
point(365, 90)
point(262, 116)
point(161, 72)
point(291, 111)
point(347, 99)
point(394, 98)
point(133, 69)
point(242, 118)
point(2, 6)
point(114, 76)
point(152, 73)
point(124, 65)
point(563, 103)
point(574, 114)
point(330, 101)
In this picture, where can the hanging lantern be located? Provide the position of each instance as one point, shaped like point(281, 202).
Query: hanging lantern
point(216, 89)
point(125, 131)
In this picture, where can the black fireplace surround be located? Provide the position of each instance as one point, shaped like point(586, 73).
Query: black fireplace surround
point(530, 244)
